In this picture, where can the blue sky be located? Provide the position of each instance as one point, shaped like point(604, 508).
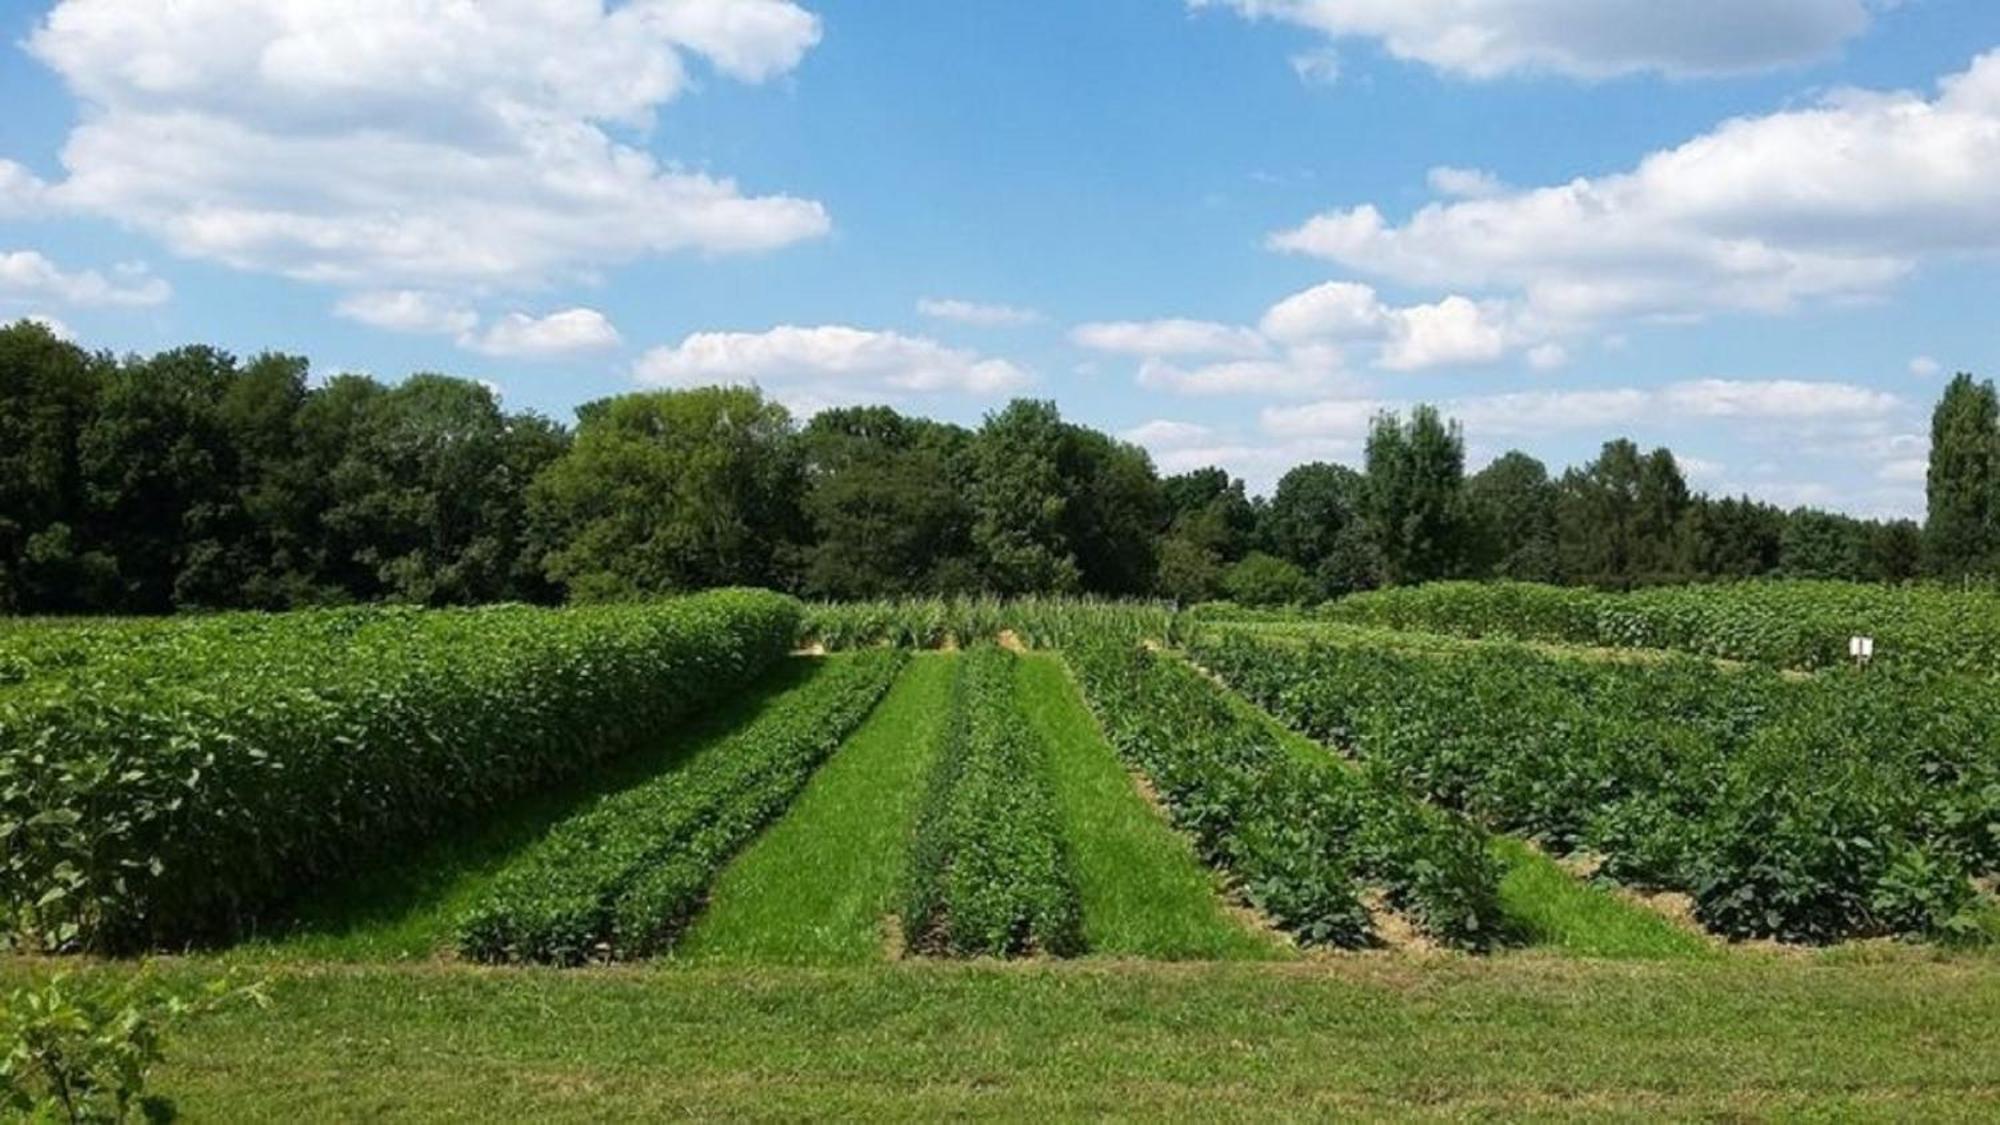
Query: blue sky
point(1759, 231)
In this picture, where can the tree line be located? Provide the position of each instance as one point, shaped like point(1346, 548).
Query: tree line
point(190, 479)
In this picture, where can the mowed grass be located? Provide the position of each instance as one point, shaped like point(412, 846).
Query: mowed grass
point(1450, 1038)
point(1545, 906)
point(405, 906)
point(1551, 908)
point(1144, 892)
point(817, 887)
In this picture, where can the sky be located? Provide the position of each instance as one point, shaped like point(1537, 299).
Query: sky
point(1760, 232)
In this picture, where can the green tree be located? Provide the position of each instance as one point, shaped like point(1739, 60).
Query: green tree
point(671, 491)
point(49, 391)
point(1266, 580)
point(1513, 509)
point(1189, 573)
point(1824, 545)
point(1960, 536)
point(1312, 505)
point(1415, 510)
point(1019, 501)
point(1623, 518)
point(1111, 509)
point(885, 497)
point(1736, 538)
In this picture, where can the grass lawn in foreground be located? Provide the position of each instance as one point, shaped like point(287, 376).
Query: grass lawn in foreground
point(1370, 1035)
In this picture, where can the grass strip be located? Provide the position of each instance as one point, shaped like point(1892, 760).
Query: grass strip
point(1144, 892)
point(1441, 1039)
point(623, 878)
point(815, 889)
point(1547, 906)
point(990, 872)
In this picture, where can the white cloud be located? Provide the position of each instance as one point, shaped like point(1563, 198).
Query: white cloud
point(408, 310)
point(1548, 357)
point(27, 274)
point(1337, 310)
point(1173, 337)
point(832, 361)
point(1838, 200)
point(1452, 332)
point(1164, 434)
point(410, 143)
point(1909, 470)
point(1924, 367)
point(976, 313)
point(518, 335)
point(56, 327)
point(1464, 183)
point(1581, 38)
point(1319, 67)
point(1774, 398)
point(1303, 370)
point(21, 192)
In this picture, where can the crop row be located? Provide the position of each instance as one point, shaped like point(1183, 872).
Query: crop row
point(1796, 624)
point(990, 872)
point(623, 878)
point(173, 791)
point(1302, 838)
point(1806, 811)
point(925, 623)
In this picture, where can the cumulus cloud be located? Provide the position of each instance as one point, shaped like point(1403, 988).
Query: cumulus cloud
point(518, 335)
point(829, 363)
point(29, 275)
point(1838, 200)
point(1162, 433)
point(1924, 367)
point(21, 191)
point(1532, 413)
point(1464, 183)
point(408, 310)
point(1580, 38)
point(1300, 370)
point(976, 313)
point(1169, 338)
point(409, 143)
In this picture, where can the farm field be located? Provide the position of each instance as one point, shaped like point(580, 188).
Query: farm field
point(678, 859)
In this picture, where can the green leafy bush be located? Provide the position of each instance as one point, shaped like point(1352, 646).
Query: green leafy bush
point(171, 791)
point(990, 872)
point(79, 1046)
point(1805, 810)
point(1302, 838)
point(625, 876)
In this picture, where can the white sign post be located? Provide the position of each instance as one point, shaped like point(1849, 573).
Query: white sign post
point(1862, 649)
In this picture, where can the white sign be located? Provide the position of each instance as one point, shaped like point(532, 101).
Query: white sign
point(1861, 648)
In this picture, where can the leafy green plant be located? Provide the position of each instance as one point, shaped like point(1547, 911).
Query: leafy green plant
point(625, 876)
point(170, 791)
point(1302, 838)
point(990, 872)
point(79, 1046)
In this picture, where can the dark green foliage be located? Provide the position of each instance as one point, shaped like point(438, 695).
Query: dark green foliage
point(990, 872)
point(885, 496)
point(1784, 624)
point(174, 787)
point(1962, 535)
point(626, 876)
point(1809, 811)
point(1265, 580)
point(1415, 509)
point(1513, 509)
point(1311, 508)
point(1301, 838)
point(671, 491)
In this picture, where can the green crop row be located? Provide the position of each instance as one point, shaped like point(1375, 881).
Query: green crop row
point(1302, 838)
point(174, 790)
point(1803, 810)
point(624, 877)
point(925, 623)
point(1795, 624)
point(990, 871)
